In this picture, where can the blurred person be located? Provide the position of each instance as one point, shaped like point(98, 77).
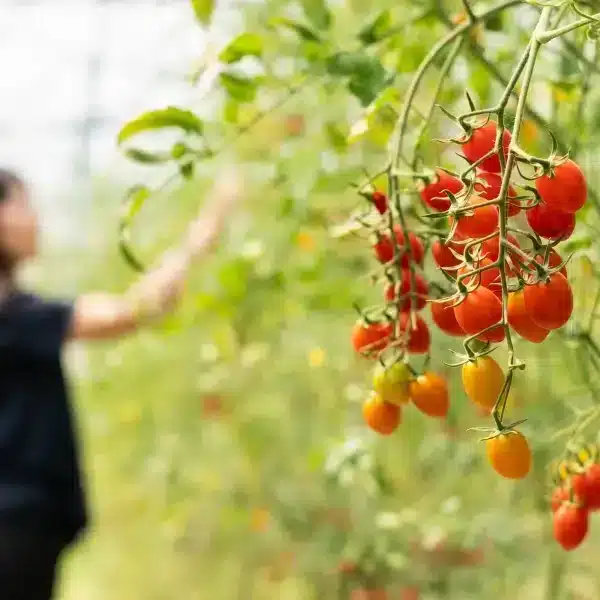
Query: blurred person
point(42, 500)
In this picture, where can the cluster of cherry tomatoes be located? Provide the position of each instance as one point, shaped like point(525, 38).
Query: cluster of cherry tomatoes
point(575, 496)
point(500, 258)
point(539, 297)
point(406, 292)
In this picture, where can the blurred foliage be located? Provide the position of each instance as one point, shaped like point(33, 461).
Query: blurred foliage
point(225, 449)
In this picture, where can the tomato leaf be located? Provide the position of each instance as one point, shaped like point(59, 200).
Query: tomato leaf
point(367, 75)
point(186, 169)
point(148, 158)
point(317, 13)
point(495, 23)
point(247, 44)
point(336, 137)
point(239, 87)
point(303, 31)
point(377, 29)
point(162, 119)
point(204, 9)
point(134, 199)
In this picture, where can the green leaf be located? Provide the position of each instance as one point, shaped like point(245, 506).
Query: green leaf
point(367, 75)
point(495, 23)
point(148, 158)
point(179, 150)
point(303, 31)
point(317, 13)
point(162, 119)
point(337, 138)
point(239, 87)
point(133, 202)
point(231, 111)
point(377, 29)
point(187, 169)
point(134, 199)
point(204, 9)
point(347, 63)
point(247, 44)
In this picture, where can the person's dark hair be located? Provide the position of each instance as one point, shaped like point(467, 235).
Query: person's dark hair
point(8, 181)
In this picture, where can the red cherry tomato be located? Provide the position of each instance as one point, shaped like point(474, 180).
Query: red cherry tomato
point(483, 221)
point(443, 316)
point(443, 257)
point(554, 260)
point(419, 338)
point(579, 485)
point(478, 311)
point(481, 142)
point(520, 320)
point(549, 303)
point(434, 194)
point(371, 338)
point(384, 248)
point(549, 223)
point(495, 335)
point(491, 191)
point(560, 495)
point(571, 524)
point(489, 278)
point(565, 189)
point(491, 249)
point(380, 202)
point(592, 476)
point(403, 286)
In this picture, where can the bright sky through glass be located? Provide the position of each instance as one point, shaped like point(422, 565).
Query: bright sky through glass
point(68, 63)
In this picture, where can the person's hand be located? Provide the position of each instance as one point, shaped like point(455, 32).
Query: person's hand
point(205, 230)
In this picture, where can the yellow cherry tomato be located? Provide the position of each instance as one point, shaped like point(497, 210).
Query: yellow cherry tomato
point(392, 383)
point(483, 380)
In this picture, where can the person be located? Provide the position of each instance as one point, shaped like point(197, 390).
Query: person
point(42, 497)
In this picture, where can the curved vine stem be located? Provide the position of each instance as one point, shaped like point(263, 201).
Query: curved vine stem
point(402, 123)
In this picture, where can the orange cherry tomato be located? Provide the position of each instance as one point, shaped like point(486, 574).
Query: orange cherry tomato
point(429, 393)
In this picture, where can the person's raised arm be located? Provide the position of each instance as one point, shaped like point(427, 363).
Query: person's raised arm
point(103, 315)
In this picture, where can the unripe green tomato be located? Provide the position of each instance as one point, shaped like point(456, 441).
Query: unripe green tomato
point(392, 383)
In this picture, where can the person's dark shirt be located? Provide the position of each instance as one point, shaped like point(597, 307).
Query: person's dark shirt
point(40, 480)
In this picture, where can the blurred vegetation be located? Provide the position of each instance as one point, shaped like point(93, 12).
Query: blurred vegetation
point(225, 449)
